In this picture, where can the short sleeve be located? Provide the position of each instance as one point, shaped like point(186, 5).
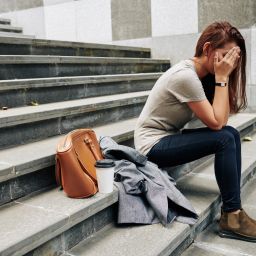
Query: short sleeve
point(186, 86)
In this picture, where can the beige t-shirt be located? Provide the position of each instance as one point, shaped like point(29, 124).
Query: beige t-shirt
point(166, 110)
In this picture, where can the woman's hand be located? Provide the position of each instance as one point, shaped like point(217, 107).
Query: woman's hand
point(226, 65)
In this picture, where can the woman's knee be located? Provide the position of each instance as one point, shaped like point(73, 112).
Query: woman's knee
point(232, 130)
point(226, 138)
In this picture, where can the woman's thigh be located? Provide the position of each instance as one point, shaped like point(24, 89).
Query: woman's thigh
point(188, 146)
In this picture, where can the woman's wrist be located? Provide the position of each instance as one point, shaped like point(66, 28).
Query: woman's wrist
point(221, 79)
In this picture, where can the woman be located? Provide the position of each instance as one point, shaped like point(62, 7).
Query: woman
point(211, 85)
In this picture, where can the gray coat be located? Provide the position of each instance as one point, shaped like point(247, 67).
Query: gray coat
point(146, 193)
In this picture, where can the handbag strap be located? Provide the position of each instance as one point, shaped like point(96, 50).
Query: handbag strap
point(89, 143)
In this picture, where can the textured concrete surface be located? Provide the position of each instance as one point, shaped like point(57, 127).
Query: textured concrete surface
point(67, 44)
point(26, 124)
point(174, 17)
point(138, 240)
point(30, 222)
point(28, 114)
point(15, 35)
point(24, 59)
point(23, 92)
point(38, 155)
point(130, 19)
point(13, 5)
point(23, 66)
point(8, 28)
point(5, 21)
point(241, 14)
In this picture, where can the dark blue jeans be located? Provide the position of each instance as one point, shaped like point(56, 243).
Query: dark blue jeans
point(193, 144)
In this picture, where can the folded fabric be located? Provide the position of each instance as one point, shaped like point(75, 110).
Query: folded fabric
point(147, 194)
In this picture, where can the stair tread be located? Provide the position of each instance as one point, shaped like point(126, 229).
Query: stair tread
point(41, 154)
point(27, 114)
point(32, 59)
point(10, 27)
point(57, 213)
point(31, 221)
point(14, 36)
point(14, 84)
point(43, 42)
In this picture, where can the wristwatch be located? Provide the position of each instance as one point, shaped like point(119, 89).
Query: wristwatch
point(222, 84)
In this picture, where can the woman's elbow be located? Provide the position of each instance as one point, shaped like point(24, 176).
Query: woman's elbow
point(216, 125)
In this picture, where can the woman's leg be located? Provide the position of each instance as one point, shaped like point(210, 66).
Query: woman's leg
point(237, 139)
point(193, 144)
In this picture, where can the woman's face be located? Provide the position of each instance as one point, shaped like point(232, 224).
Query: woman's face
point(221, 52)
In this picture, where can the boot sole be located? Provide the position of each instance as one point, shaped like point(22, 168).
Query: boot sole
point(232, 235)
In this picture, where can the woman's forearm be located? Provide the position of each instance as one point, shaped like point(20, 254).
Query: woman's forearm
point(221, 103)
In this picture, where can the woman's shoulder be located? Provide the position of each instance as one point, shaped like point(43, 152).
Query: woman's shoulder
point(182, 71)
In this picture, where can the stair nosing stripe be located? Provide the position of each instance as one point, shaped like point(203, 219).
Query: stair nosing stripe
point(5, 85)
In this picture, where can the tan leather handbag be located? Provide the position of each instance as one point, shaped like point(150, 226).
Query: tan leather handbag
point(76, 155)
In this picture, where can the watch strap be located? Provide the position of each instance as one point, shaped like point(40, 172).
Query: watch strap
point(221, 84)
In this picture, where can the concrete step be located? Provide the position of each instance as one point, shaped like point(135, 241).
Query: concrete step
point(208, 242)
point(202, 191)
point(5, 21)
point(8, 28)
point(33, 123)
point(22, 66)
point(49, 222)
point(64, 48)
point(14, 36)
point(14, 93)
point(32, 168)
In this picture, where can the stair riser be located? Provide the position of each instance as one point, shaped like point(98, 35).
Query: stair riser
point(16, 31)
point(79, 232)
point(5, 22)
point(40, 175)
point(35, 131)
point(20, 71)
point(26, 184)
point(33, 49)
point(42, 95)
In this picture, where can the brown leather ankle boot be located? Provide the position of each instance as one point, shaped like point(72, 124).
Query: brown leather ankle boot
point(238, 226)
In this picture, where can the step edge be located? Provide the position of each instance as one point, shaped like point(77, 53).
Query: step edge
point(68, 44)
point(61, 111)
point(76, 80)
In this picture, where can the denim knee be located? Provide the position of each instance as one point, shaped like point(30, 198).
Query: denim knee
point(232, 130)
point(226, 138)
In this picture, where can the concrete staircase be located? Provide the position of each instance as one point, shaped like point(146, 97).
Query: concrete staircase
point(67, 86)
point(7, 30)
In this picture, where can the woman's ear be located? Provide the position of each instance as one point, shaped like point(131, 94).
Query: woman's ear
point(206, 48)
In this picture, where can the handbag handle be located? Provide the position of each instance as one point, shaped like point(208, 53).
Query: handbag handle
point(95, 153)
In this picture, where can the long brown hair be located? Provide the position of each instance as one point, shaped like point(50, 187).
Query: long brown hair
point(218, 34)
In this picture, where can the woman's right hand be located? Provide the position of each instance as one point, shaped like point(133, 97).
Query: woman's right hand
point(223, 67)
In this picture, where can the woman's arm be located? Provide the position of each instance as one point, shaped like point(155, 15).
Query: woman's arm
point(215, 116)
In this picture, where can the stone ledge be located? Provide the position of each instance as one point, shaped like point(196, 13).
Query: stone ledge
point(58, 43)
point(39, 59)
point(30, 114)
point(6, 85)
